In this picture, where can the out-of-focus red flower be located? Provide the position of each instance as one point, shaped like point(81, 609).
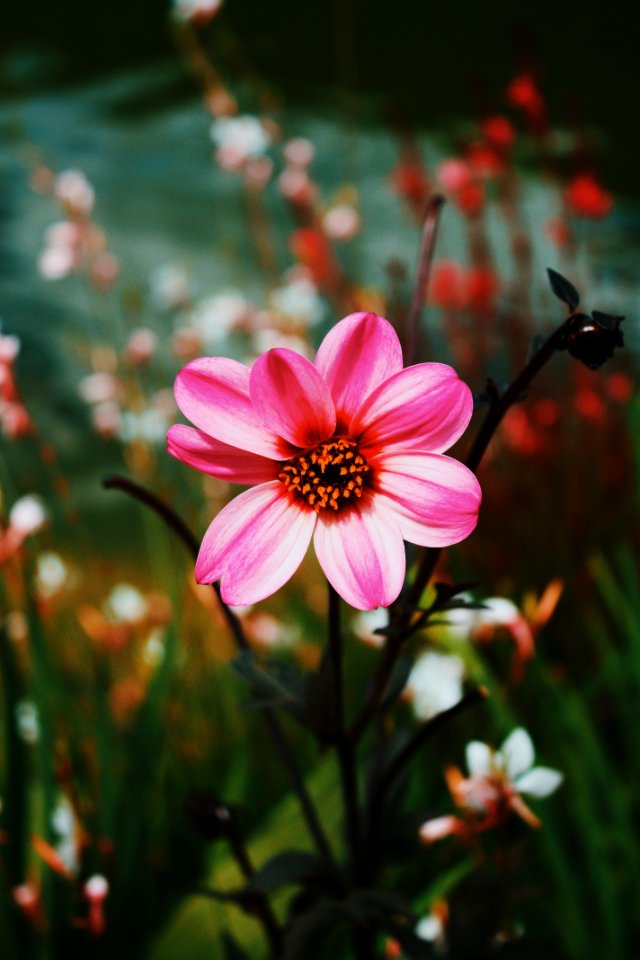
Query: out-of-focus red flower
point(499, 131)
point(470, 199)
point(589, 405)
point(447, 286)
point(483, 287)
point(520, 434)
point(546, 412)
point(485, 160)
point(585, 197)
point(410, 180)
point(312, 248)
point(523, 93)
point(619, 386)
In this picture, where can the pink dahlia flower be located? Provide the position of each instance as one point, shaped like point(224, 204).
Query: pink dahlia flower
point(347, 450)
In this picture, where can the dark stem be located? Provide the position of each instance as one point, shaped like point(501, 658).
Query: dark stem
point(304, 797)
point(424, 733)
point(344, 747)
point(257, 903)
point(177, 524)
point(403, 623)
point(427, 246)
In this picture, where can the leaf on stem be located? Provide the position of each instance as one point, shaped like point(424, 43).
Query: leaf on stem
point(270, 691)
point(563, 289)
point(285, 869)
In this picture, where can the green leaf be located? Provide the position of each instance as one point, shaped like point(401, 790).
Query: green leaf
point(269, 690)
point(292, 866)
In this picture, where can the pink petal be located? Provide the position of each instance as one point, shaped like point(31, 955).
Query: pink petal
point(434, 499)
point(362, 554)
point(292, 397)
point(213, 392)
point(256, 543)
point(425, 407)
point(218, 459)
point(358, 354)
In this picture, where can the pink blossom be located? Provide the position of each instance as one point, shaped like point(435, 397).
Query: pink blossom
point(341, 222)
point(74, 192)
point(347, 450)
point(141, 346)
point(454, 174)
point(299, 152)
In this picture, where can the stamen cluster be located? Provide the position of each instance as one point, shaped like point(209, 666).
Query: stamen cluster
point(332, 475)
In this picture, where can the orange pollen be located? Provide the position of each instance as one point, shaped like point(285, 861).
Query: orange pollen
point(331, 476)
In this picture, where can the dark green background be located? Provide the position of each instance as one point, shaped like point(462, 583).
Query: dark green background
point(434, 60)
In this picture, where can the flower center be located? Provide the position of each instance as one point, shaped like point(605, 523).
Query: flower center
point(331, 476)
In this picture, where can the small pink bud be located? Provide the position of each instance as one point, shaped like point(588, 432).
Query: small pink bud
point(299, 152)
point(342, 222)
point(141, 346)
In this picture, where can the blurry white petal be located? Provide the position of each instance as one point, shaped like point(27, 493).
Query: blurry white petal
point(435, 683)
point(518, 752)
point(539, 782)
point(429, 928)
point(479, 758)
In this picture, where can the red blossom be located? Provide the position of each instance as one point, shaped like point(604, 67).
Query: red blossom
point(585, 197)
point(499, 131)
point(523, 93)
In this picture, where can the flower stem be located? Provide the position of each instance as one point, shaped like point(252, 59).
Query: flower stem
point(343, 744)
point(404, 757)
point(404, 627)
point(260, 906)
point(177, 524)
point(179, 527)
point(499, 404)
point(427, 246)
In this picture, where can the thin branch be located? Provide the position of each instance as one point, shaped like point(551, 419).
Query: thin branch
point(427, 246)
point(500, 403)
point(177, 524)
point(424, 733)
point(343, 744)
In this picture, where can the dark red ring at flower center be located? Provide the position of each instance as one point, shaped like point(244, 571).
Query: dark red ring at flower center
point(330, 477)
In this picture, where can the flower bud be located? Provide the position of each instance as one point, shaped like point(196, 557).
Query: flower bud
point(593, 339)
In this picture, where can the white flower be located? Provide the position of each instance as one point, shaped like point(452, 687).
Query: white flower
point(341, 222)
point(169, 286)
point(366, 623)
point(96, 887)
point(125, 604)
point(27, 721)
point(9, 348)
point(299, 300)
point(64, 824)
point(198, 10)
point(153, 651)
point(51, 574)
point(27, 515)
point(514, 761)
point(215, 317)
point(238, 139)
point(99, 388)
point(149, 425)
point(73, 190)
point(435, 683)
